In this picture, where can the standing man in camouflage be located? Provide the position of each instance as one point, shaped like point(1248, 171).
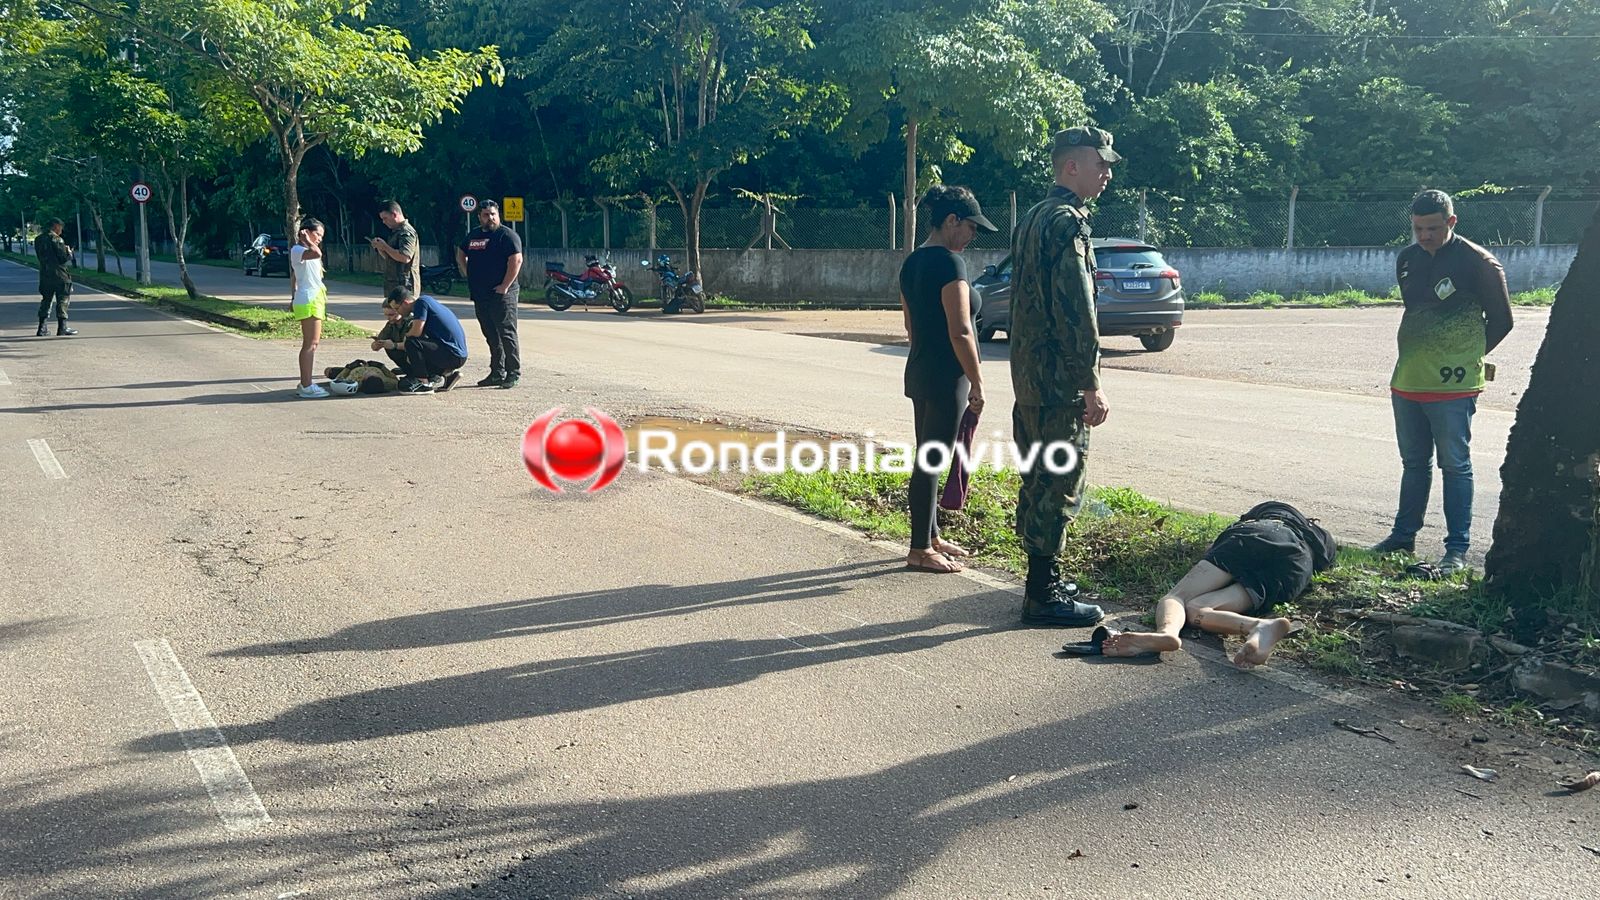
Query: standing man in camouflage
point(55, 279)
point(1055, 364)
point(400, 256)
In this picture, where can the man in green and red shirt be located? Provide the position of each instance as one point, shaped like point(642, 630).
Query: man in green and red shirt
point(1457, 310)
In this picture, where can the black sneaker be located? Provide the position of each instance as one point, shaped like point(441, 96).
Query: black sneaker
point(417, 387)
point(450, 381)
point(491, 381)
point(510, 382)
point(1392, 544)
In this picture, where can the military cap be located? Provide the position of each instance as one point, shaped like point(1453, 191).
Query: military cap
point(1086, 136)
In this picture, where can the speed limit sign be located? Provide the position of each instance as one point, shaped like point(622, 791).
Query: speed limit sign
point(468, 203)
point(140, 192)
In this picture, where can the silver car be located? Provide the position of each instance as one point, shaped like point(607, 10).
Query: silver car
point(1138, 293)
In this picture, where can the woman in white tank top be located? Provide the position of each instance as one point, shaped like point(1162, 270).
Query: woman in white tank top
point(310, 302)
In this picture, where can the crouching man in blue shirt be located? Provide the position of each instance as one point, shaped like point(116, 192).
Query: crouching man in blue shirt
point(435, 345)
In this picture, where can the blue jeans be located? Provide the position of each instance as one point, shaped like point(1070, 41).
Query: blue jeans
point(1424, 431)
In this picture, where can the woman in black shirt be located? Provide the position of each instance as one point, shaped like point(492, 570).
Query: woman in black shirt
point(942, 375)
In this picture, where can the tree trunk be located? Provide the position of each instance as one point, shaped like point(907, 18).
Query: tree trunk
point(291, 194)
point(177, 210)
point(99, 237)
point(691, 231)
point(909, 241)
point(1547, 535)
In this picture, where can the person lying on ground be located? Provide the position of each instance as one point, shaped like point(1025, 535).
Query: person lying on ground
point(1265, 558)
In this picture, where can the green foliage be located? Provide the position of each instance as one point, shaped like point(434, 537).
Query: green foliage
point(1461, 705)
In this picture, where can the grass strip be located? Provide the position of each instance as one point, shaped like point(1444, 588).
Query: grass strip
point(267, 321)
point(1345, 299)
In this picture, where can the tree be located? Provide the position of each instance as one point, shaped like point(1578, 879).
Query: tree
point(1547, 534)
point(976, 67)
point(690, 88)
point(305, 76)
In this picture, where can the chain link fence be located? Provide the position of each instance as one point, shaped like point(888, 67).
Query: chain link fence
point(1164, 221)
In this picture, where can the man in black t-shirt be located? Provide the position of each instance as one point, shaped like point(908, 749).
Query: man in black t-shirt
point(491, 258)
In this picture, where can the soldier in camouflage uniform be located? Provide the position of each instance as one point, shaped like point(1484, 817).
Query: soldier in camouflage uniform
point(1055, 364)
point(55, 279)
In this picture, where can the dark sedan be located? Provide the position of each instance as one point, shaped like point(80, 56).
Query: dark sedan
point(267, 254)
point(1138, 293)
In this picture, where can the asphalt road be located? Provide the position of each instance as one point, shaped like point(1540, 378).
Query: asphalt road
point(1207, 425)
point(261, 647)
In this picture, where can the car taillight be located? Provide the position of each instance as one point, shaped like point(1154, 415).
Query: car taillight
point(1103, 276)
point(265, 250)
point(1170, 273)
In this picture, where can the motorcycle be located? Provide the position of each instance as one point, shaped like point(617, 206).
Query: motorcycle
point(439, 279)
point(562, 288)
point(677, 291)
point(604, 276)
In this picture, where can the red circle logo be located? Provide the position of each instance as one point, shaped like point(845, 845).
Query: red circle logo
point(574, 449)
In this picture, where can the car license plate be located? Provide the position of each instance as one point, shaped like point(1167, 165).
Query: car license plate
point(1137, 285)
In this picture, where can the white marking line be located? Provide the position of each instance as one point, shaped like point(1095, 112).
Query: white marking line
point(232, 794)
point(46, 458)
point(3, 378)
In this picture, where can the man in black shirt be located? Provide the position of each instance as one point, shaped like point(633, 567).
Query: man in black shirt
point(490, 258)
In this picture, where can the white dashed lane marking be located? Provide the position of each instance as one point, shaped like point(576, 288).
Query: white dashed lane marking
point(47, 458)
point(232, 794)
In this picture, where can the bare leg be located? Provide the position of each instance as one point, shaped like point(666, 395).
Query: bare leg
point(310, 335)
point(1202, 580)
point(1221, 613)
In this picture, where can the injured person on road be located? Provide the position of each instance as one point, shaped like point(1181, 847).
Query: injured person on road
point(1265, 558)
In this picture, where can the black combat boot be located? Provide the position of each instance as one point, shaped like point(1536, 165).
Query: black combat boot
point(1048, 601)
point(43, 331)
point(61, 328)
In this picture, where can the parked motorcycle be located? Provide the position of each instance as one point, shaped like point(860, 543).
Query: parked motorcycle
point(677, 291)
point(604, 277)
point(439, 279)
point(598, 282)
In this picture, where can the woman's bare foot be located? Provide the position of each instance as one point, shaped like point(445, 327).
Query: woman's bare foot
point(950, 549)
point(1139, 643)
point(1258, 646)
point(932, 561)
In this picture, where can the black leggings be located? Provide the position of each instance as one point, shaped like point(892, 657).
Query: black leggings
point(938, 418)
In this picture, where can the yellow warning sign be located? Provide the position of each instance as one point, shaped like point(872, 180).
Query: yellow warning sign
point(512, 209)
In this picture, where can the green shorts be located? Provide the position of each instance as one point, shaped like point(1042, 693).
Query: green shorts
point(315, 308)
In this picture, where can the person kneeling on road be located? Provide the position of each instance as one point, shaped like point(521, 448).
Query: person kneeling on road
point(435, 345)
point(391, 338)
point(1265, 558)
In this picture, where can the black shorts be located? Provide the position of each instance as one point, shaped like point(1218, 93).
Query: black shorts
point(1267, 557)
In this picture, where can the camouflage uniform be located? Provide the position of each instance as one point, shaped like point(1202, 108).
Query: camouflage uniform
point(1055, 357)
point(55, 279)
point(398, 274)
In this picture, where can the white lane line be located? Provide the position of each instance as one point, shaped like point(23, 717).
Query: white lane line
point(46, 458)
point(232, 794)
point(3, 378)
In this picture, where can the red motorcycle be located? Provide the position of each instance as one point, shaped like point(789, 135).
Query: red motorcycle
point(599, 280)
point(604, 277)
